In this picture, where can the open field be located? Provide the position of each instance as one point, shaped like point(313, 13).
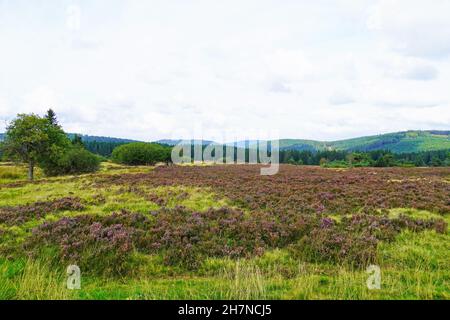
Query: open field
point(225, 232)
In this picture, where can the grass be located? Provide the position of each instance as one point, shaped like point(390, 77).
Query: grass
point(409, 271)
point(415, 266)
point(31, 280)
point(11, 173)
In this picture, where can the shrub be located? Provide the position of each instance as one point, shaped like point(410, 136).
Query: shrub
point(141, 153)
point(75, 160)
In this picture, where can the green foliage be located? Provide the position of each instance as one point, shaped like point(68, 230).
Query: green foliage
point(378, 158)
point(359, 159)
point(77, 141)
point(34, 140)
point(51, 117)
point(102, 148)
point(40, 140)
point(74, 160)
point(140, 153)
point(386, 160)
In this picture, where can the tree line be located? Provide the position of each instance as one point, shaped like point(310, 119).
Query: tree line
point(344, 159)
point(378, 158)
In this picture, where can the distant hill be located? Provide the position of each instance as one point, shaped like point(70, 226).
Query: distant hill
point(103, 146)
point(400, 142)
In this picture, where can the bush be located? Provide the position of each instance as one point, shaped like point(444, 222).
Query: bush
point(141, 153)
point(75, 160)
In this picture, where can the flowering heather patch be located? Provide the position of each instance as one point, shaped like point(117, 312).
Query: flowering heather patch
point(308, 190)
point(18, 215)
point(291, 209)
point(305, 233)
point(354, 240)
point(85, 241)
point(187, 237)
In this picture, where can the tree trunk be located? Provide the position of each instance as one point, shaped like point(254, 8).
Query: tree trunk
point(31, 171)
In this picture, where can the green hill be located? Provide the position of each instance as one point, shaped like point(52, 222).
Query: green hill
point(400, 142)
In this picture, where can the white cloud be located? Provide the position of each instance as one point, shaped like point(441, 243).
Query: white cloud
point(40, 98)
point(409, 68)
point(146, 70)
point(340, 98)
point(413, 27)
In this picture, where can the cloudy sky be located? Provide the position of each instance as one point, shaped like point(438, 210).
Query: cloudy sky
point(143, 69)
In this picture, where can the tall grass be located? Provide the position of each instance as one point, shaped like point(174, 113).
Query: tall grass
point(12, 173)
point(246, 282)
point(38, 282)
point(32, 280)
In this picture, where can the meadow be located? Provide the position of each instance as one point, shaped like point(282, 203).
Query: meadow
point(225, 232)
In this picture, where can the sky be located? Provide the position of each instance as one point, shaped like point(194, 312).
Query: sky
point(149, 70)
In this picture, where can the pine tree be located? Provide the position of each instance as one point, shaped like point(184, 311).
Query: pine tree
point(51, 117)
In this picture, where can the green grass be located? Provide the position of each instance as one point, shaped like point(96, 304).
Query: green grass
point(414, 267)
point(31, 280)
point(12, 173)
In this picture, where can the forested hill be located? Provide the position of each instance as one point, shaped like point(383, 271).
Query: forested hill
point(101, 145)
point(399, 142)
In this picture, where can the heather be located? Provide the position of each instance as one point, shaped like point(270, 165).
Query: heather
point(18, 215)
point(308, 190)
point(184, 237)
point(225, 232)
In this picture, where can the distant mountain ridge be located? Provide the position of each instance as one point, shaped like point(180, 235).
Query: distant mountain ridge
point(398, 142)
point(171, 142)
